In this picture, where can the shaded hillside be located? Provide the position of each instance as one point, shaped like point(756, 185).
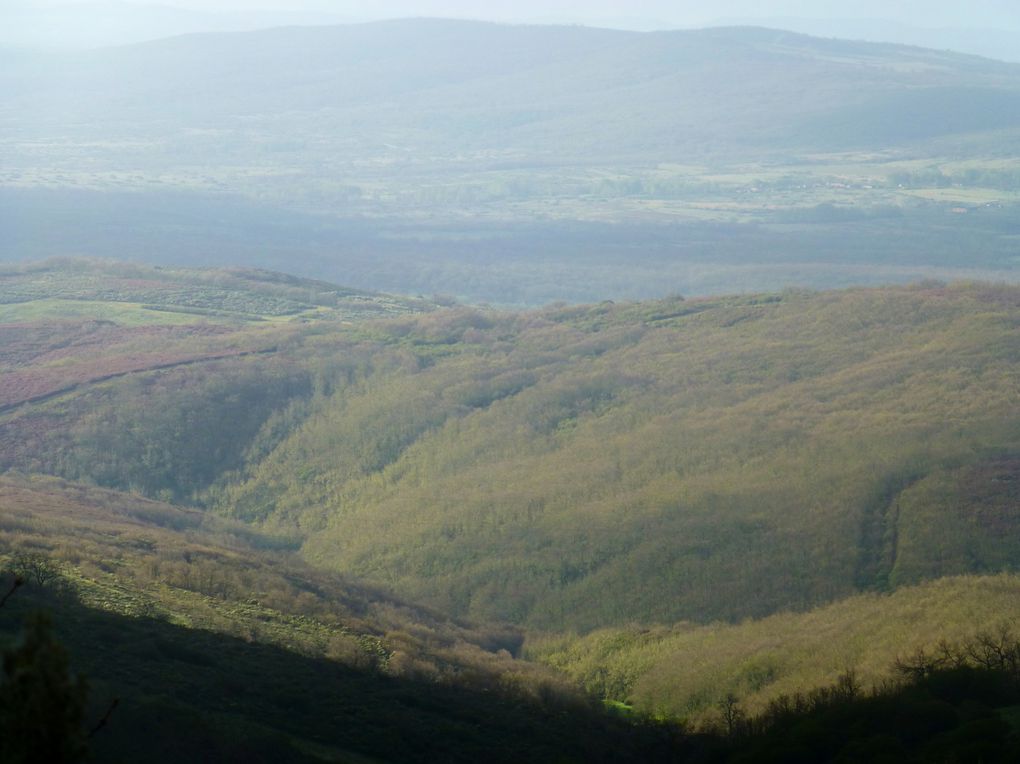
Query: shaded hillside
point(594, 465)
point(217, 645)
point(175, 615)
point(221, 645)
point(257, 703)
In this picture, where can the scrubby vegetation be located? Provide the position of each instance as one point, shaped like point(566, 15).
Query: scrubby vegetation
point(785, 481)
point(220, 643)
point(957, 705)
point(583, 466)
point(202, 695)
point(256, 702)
point(142, 558)
point(687, 670)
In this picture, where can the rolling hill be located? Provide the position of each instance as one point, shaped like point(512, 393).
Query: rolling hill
point(664, 461)
point(308, 522)
point(575, 467)
point(658, 504)
point(219, 645)
point(446, 88)
point(518, 164)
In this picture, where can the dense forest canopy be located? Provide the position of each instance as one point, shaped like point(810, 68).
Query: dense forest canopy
point(703, 446)
point(196, 450)
point(511, 465)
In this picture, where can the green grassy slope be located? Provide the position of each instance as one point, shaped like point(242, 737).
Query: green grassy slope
point(686, 670)
point(138, 295)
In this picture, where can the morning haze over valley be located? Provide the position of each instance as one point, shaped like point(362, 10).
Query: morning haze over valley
point(547, 382)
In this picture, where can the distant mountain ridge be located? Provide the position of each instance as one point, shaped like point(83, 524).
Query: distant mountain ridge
point(998, 43)
point(472, 85)
point(98, 24)
point(518, 164)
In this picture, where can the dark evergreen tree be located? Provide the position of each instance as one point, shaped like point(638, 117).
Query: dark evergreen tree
point(41, 704)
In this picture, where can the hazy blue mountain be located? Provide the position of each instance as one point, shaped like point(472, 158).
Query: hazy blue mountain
point(519, 163)
point(451, 86)
point(999, 43)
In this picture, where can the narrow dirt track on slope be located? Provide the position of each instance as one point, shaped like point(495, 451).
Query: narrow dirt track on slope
point(8, 407)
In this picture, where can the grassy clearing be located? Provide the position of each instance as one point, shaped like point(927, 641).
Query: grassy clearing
point(121, 313)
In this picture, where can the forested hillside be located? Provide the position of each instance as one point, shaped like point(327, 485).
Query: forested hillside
point(687, 670)
point(580, 467)
point(695, 437)
point(671, 506)
point(217, 644)
point(703, 459)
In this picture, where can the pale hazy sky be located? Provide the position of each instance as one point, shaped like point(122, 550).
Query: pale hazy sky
point(925, 13)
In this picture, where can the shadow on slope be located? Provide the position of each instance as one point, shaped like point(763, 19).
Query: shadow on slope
point(190, 695)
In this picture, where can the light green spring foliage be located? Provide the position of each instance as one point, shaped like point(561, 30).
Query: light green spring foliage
point(587, 466)
point(580, 467)
point(573, 470)
point(958, 520)
point(121, 553)
point(685, 670)
point(131, 294)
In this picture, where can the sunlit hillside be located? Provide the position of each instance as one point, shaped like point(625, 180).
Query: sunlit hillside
point(686, 670)
point(574, 467)
point(436, 390)
point(385, 498)
point(220, 645)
